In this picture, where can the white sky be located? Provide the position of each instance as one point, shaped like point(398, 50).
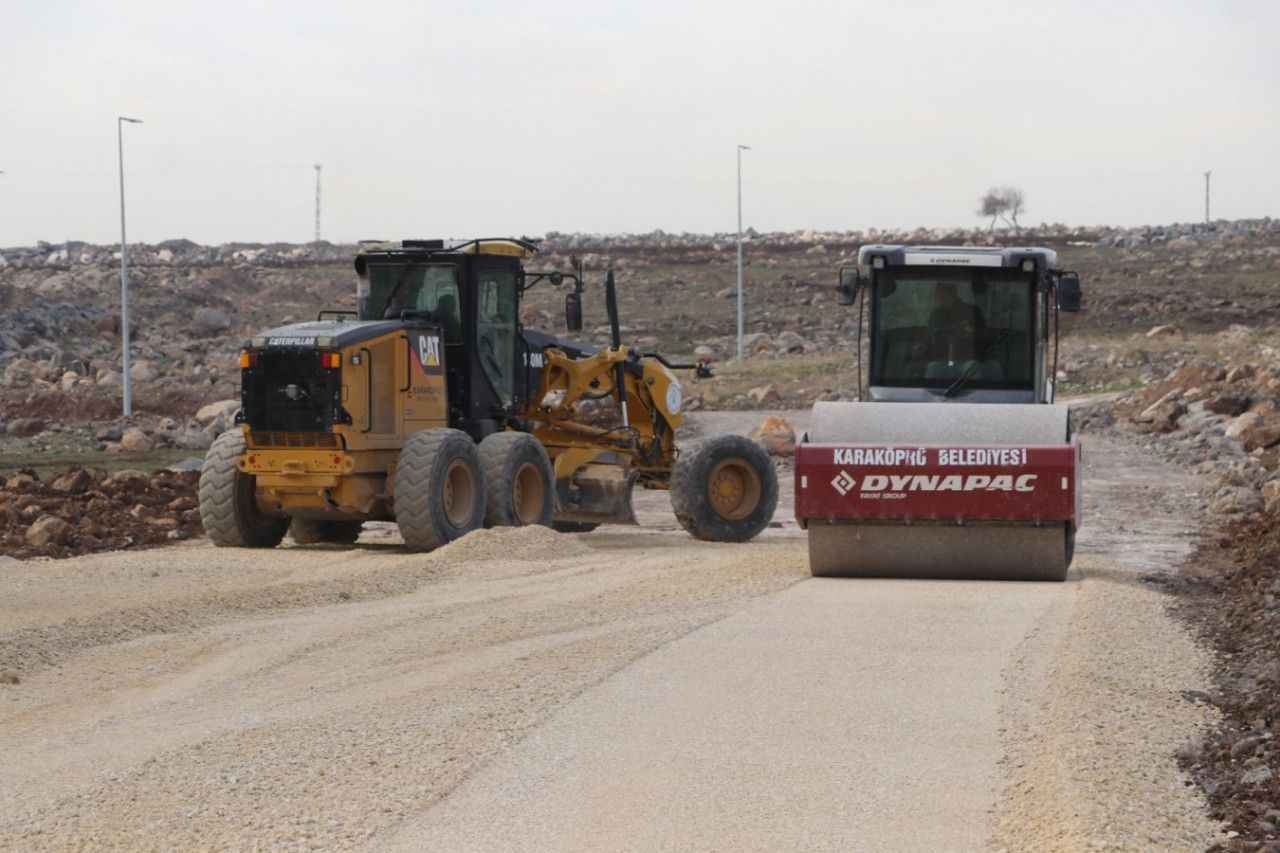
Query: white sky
point(486, 118)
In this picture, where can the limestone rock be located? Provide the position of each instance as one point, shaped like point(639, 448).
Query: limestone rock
point(765, 395)
point(777, 436)
point(1237, 428)
point(211, 412)
point(75, 482)
point(143, 371)
point(48, 530)
point(135, 440)
point(25, 427)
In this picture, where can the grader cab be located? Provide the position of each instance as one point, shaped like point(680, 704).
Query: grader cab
point(431, 405)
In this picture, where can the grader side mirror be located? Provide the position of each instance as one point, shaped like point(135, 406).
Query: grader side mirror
point(573, 312)
point(556, 278)
point(847, 286)
point(1069, 294)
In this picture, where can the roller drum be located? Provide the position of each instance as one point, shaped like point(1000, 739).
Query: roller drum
point(940, 549)
point(975, 552)
point(939, 423)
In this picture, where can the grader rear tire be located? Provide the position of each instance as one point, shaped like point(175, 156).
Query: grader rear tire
point(306, 531)
point(228, 509)
point(440, 493)
point(518, 480)
point(724, 489)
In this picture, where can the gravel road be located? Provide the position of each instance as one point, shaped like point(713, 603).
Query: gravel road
point(625, 689)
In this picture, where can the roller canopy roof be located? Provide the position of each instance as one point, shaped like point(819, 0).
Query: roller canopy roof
point(956, 256)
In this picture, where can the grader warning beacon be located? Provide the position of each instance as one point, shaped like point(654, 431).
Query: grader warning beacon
point(955, 462)
point(431, 405)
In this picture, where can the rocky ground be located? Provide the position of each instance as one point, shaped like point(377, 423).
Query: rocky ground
point(1221, 420)
point(1181, 322)
point(1155, 297)
point(83, 511)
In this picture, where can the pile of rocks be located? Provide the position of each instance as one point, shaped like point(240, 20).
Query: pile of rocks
point(176, 253)
point(1236, 601)
point(185, 253)
point(196, 433)
point(1223, 421)
point(83, 511)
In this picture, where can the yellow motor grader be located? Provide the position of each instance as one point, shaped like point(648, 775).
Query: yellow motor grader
point(432, 406)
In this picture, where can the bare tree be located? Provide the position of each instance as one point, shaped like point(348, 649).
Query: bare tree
point(1015, 202)
point(992, 204)
point(1007, 203)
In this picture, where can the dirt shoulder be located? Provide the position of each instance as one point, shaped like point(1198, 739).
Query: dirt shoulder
point(1097, 699)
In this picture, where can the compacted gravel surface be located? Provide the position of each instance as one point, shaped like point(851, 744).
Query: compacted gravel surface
point(354, 698)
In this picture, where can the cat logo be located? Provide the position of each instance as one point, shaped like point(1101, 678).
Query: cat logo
point(429, 350)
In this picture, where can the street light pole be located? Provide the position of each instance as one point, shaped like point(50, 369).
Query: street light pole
point(741, 148)
point(1206, 196)
point(124, 273)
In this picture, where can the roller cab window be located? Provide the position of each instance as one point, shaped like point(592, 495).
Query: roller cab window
point(431, 288)
point(934, 326)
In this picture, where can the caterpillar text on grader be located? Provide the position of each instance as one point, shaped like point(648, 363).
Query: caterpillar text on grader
point(955, 463)
point(432, 406)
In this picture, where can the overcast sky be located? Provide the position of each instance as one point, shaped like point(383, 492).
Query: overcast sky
point(486, 118)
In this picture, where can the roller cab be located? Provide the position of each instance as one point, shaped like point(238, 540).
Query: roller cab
point(954, 463)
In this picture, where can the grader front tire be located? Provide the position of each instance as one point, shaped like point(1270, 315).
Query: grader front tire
point(439, 488)
point(228, 509)
point(518, 480)
point(724, 489)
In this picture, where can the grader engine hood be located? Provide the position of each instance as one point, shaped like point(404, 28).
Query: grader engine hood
point(324, 334)
point(291, 379)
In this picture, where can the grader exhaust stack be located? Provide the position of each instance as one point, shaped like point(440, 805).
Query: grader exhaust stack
point(955, 463)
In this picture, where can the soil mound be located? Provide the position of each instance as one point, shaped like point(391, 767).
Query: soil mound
point(512, 544)
point(83, 511)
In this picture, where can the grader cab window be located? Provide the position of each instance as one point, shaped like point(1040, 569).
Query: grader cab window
point(427, 287)
point(496, 329)
point(934, 326)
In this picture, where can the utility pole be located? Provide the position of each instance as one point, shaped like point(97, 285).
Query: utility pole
point(741, 148)
point(317, 202)
point(1206, 196)
point(124, 274)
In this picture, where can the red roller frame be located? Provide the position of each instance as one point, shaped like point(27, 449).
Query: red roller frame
point(1031, 484)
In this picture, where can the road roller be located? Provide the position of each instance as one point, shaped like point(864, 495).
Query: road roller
point(955, 461)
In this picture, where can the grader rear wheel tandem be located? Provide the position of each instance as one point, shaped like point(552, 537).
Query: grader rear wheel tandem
point(228, 505)
point(518, 477)
point(440, 492)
